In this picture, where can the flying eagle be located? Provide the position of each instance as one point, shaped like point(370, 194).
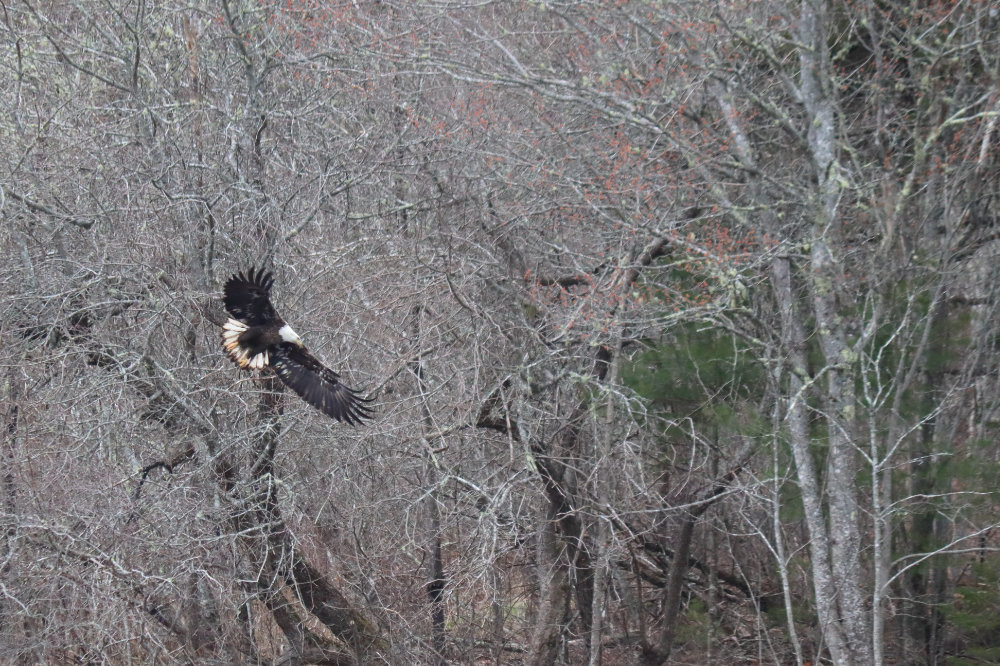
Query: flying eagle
point(256, 337)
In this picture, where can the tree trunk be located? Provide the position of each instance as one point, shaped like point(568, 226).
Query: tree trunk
point(796, 413)
point(432, 514)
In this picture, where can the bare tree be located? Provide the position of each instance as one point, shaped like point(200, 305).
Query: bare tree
point(679, 319)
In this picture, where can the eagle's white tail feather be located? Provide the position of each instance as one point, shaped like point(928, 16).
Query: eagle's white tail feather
point(231, 332)
point(259, 361)
point(233, 326)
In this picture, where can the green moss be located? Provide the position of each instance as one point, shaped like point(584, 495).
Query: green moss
point(975, 615)
point(695, 627)
point(700, 376)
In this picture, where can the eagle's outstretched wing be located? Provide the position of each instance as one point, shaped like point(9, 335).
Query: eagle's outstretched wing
point(318, 385)
point(247, 297)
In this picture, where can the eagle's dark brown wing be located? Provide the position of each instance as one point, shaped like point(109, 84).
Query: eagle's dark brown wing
point(317, 384)
point(247, 298)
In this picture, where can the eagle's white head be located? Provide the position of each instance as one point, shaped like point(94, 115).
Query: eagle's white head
point(288, 335)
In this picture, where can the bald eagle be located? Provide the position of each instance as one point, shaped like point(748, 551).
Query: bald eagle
point(256, 337)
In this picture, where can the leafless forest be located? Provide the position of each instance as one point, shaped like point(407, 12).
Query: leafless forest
point(680, 319)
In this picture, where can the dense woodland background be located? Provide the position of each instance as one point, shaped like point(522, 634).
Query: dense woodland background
point(680, 318)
